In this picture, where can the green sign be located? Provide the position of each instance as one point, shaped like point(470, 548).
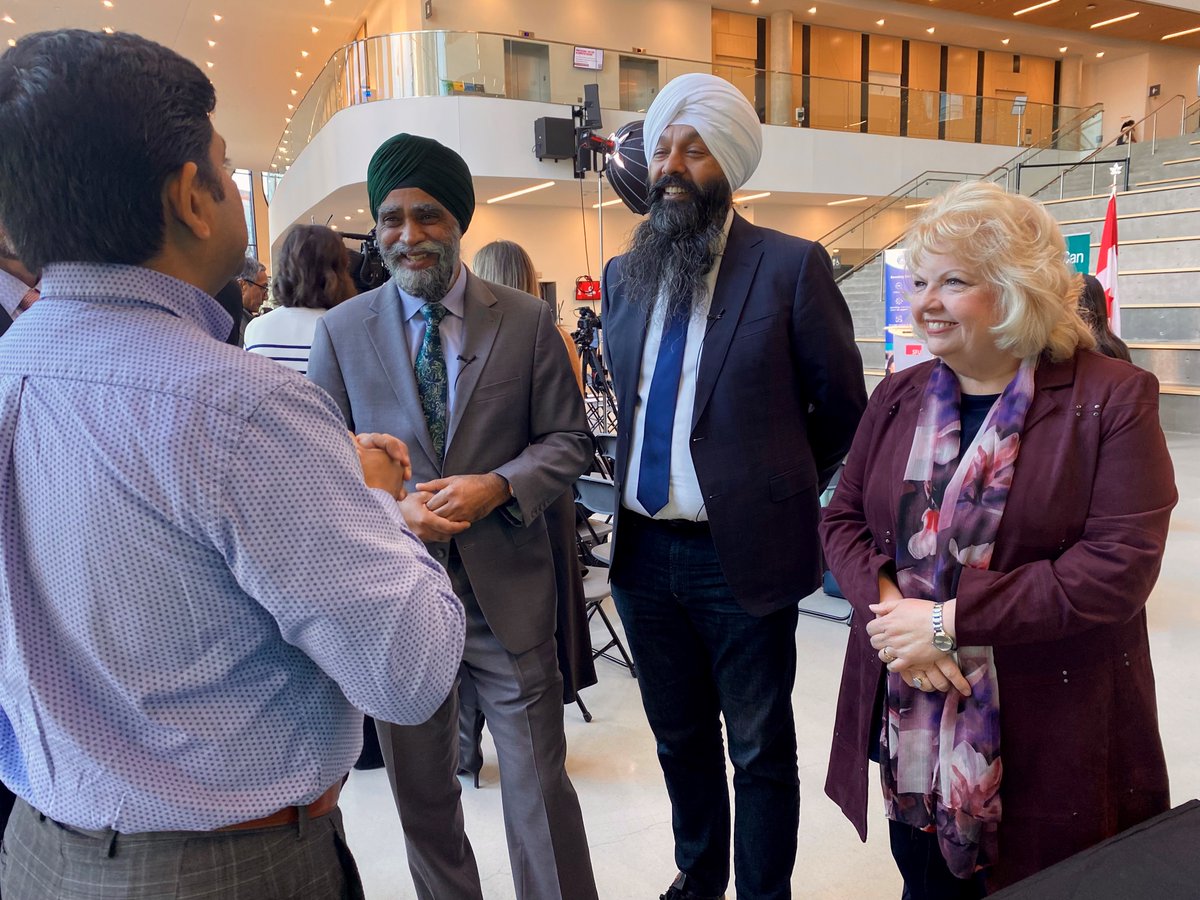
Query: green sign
point(1079, 252)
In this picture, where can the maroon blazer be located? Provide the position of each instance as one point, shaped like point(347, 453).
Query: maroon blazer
point(1063, 605)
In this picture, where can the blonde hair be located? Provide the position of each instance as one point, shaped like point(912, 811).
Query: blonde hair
point(507, 263)
point(1016, 247)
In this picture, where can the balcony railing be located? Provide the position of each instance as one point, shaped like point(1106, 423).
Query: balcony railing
point(478, 64)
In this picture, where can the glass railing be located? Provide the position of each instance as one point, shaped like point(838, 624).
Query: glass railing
point(861, 238)
point(1191, 119)
point(445, 63)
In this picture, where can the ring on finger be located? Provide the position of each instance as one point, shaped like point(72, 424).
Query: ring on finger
point(887, 655)
point(919, 683)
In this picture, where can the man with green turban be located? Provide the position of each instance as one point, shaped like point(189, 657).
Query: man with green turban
point(475, 379)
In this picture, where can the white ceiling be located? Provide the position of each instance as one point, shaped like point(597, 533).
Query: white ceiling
point(257, 53)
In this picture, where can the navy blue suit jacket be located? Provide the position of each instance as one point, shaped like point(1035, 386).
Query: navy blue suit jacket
point(778, 397)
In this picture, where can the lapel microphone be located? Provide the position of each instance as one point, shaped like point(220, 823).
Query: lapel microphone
point(712, 320)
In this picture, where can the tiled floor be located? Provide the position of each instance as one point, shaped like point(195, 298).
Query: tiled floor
point(620, 787)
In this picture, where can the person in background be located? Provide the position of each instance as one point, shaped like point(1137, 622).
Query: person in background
point(1127, 135)
point(312, 276)
point(738, 388)
point(998, 527)
point(177, 703)
point(255, 283)
point(18, 286)
point(1093, 307)
point(507, 263)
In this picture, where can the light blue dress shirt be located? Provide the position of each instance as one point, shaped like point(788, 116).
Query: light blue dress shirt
point(451, 331)
point(196, 587)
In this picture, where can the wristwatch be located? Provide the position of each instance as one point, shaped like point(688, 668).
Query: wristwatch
point(941, 639)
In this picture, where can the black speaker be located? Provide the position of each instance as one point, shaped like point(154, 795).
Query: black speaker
point(553, 138)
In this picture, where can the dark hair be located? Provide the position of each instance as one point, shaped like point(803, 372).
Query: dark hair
point(94, 125)
point(1093, 308)
point(313, 269)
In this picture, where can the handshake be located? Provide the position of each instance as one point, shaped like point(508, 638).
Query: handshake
point(435, 510)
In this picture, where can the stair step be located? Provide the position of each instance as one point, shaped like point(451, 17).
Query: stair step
point(1180, 162)
point(1183, 390)
point(1175, 180)
point(1134, 215)
point(1159, 240)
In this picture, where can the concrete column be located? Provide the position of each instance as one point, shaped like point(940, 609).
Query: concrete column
point(780, 108)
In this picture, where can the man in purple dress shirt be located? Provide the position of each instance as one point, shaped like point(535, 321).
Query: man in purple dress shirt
point(189, 622)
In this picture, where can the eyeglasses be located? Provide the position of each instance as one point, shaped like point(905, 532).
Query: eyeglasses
point(265, 286)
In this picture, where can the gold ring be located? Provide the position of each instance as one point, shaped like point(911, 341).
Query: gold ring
point(918, 683)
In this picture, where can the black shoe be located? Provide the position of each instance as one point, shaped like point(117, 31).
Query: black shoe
point(680, 891)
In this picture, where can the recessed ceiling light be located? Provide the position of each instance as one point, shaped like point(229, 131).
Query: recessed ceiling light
point(361, 210)
point(1062, 49)
point(212, 43)
point(847, 200)
point(209, 64)
point(12, 42)
point(1100, 54)
point(1115, 19)
point(217, 17)
point(618, 200)
point(750, 197)
point(880, 21)
point(1021, 12)
point(316, 30)
point(528, 190)
point(812, 10)
point(294, 92)
point(1167, 37)
point(9, 19)
point(299, 74)
point(334, 227)
point(304, 53)
point(108, 4)
point(329, 2)
point(290, 106)
point(287, 119)
point(1004, 41)
point(930, 30)
point(274, 165)
point(107, 29)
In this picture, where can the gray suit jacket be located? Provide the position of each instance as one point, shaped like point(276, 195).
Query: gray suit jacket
point(517, 412)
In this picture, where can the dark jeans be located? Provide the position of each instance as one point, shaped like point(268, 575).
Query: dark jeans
point(700, 656)
point(926, 875)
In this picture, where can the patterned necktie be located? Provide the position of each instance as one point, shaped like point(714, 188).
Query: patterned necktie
point(28, 300)
point(654, 474)
point(432, 382)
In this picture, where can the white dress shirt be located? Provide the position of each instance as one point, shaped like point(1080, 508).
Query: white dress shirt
point(684, 499)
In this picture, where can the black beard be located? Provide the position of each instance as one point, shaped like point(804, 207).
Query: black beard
point(429, 284)
point(673, 250)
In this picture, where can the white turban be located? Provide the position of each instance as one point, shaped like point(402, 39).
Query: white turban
point(721, 115)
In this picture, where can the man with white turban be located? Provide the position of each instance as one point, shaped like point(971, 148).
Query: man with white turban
point(738, 391)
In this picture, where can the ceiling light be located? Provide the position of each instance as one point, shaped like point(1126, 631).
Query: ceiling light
point(209, 64)
point(290, 106)
point(1062, 49)
point(361, 211)
point(1100, 54)
point(1004, 41)
point(108, 4)
point(880, 21)
point(304, 53)
point(1021, 12)
point(212, 43)
point(1116, 19)
point(334, 227)
point(287, 119)
point(9, 19)
point(274, 165)
point(294, 92)
point(329, 2)
point(12, 42)
point(1167, 37)
point(316, 30)
point(916, 205)
point(107, 29)
point(930, 30)
point(750, 197)
point(752, 3)
point(347, 218)
point(844, 202)
point(528, 190)
point(299, 74)
point(812, 10)
point(217, 17)
point(618, 200)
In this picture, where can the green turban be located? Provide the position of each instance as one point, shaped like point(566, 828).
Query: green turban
point(411, 161)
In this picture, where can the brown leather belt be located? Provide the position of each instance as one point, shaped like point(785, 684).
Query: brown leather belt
point(322, 806)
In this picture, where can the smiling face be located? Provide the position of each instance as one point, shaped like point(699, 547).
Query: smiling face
point(956, 309)
point(684, 160)
point(419, 241)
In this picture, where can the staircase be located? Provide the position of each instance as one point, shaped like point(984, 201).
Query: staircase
point(1158, 223)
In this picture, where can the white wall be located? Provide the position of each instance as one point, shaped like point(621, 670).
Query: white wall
point(1123, 87)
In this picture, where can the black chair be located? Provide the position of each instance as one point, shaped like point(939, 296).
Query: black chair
point(597, 496)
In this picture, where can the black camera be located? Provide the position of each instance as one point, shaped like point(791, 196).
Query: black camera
point(585, 335)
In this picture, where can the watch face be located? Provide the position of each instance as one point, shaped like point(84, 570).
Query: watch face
point(943, 642)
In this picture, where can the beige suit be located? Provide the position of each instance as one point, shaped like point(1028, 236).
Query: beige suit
point(517, 411)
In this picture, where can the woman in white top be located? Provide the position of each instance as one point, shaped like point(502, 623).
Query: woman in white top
point(312, 275)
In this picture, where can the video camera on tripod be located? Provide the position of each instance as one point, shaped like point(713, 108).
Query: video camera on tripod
point(586, 334)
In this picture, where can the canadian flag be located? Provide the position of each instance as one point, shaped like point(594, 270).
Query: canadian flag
point(1106, 268)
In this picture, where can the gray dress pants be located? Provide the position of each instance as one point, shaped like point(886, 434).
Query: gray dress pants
point(521, 696)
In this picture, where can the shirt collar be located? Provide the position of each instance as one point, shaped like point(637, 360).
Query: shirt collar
point(12, 290)
point(135, 285)
point(453, 301)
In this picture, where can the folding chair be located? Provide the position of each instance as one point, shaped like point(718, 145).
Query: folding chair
point(598, 496)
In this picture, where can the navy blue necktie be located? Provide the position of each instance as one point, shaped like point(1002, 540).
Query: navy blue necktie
point(654, 473)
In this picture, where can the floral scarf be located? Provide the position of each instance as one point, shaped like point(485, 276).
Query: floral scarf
point(941, 766)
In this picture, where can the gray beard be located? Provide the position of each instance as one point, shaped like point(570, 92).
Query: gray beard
point(429, 284)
